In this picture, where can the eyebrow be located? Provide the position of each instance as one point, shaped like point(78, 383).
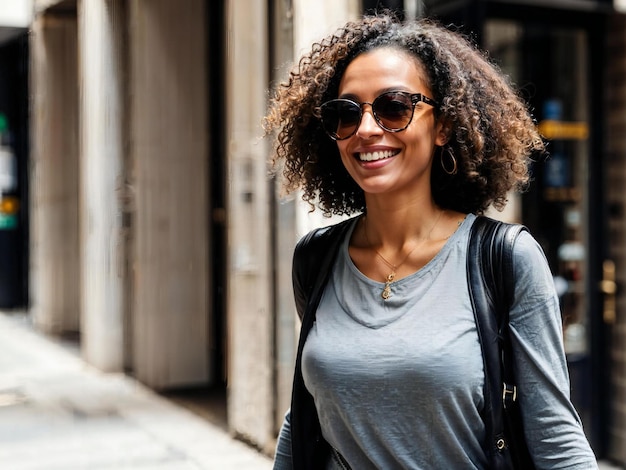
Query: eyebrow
point(353, 97)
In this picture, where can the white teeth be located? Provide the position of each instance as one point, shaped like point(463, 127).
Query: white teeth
point(372, 156)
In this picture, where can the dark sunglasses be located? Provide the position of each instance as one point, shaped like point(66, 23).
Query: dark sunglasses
point(393, 111)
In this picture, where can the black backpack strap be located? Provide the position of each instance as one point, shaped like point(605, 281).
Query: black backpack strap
point(491, 283)
point(313, 259)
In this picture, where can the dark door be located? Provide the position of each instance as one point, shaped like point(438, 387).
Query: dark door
point(552, 65)
point(555, 57)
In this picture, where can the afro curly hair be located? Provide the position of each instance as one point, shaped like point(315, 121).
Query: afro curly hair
point(492, 134)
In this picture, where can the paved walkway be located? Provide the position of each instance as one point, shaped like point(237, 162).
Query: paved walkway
point(57, 413)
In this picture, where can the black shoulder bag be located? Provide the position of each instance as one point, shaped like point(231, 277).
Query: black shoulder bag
point(491, 282)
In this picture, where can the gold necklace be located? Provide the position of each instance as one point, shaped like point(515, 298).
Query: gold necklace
point(386, 293)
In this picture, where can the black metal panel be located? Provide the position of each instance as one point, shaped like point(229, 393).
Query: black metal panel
point(443, 7)
point(598, 429)
point(216, 34)
point(471, 14)
point(373, 6)
point(14, 105)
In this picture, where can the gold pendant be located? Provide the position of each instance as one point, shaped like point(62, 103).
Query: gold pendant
point(387, 289)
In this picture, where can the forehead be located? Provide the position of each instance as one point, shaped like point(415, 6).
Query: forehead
point(383, 69)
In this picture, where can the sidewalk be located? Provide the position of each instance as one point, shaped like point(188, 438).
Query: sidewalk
point(57, 413)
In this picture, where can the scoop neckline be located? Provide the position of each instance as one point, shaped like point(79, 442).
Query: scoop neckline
point(431, 264)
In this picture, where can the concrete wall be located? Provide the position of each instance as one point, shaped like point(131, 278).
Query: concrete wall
point(169, 174)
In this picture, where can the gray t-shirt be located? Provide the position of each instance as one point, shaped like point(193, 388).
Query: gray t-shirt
point(399, 383)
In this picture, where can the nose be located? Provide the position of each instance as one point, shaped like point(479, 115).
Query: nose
point(368, 126)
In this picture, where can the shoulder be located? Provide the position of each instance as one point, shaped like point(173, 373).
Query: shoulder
point(534, 281)
point(529, 267)
point(527, 253)
point(317, 248)
point(526, 249)
point(313, 257)
point(320, 239)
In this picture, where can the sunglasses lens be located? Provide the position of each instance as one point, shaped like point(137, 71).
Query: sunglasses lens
point(340, 118)
point(393, 110)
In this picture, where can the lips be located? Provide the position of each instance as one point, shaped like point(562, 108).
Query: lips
point(374, 156)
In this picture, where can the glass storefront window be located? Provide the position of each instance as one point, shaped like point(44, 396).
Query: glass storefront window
point(550, 66)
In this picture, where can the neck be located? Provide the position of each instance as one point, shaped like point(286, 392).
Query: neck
point(396, 227)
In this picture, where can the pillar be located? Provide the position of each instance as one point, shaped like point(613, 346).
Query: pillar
point(54, 244)
point(169, 152)
point(250, 308)
point(103, 188)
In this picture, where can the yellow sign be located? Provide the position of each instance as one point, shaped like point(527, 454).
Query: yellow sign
point(9, 205)
point(560, 130)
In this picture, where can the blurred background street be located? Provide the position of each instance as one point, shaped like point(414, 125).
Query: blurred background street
point(145, 255)
point(58, 413)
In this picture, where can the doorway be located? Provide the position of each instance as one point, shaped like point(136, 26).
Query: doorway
point(554, 56)
point(209, 399)
point(553, 65)
point(217, 193)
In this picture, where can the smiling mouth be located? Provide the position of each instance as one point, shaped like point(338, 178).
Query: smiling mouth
point(373, 156)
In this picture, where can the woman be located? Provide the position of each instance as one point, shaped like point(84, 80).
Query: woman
point(412, 129)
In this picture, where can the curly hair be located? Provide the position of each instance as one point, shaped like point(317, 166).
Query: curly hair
point(491, 132)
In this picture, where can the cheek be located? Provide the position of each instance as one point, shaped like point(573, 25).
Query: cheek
point(347, 160)
point(343, 151)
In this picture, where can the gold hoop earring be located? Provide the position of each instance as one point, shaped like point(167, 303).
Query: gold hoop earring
point(450, 153)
